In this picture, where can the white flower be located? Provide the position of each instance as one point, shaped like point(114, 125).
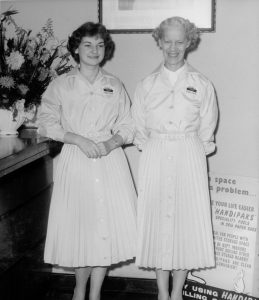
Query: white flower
point(62, 51)
point(29, 51)
point(32, 42)
point(15, 60)
point(23, 88)
point(7, 82)
point(10, 33)
point(52, 43)
point(53, 74)
point(55, 63)
point(35, 61)
point(45, 56)
point(19, 105)
point(43, 74)
point(30, 112)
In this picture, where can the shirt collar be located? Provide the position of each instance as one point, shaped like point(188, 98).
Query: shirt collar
point(76, 73)
point(187, 68)
point(176, 73)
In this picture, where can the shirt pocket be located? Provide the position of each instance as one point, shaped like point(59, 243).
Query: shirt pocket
point(192, 96)
point(108, 95)
point(158, 100)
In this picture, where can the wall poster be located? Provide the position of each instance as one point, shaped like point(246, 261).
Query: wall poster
point(235, 222)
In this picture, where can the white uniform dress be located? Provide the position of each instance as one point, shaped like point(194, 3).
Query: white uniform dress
point(174, 129)
point(92, 219)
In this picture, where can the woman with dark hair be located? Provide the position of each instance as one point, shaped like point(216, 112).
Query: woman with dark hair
point(92, 214)
point(175, 114)
point(92, 30)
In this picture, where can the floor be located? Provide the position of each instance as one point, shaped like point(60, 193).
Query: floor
point(41, 284)
point(106, 296)
point(31, 279)
point(61, 288)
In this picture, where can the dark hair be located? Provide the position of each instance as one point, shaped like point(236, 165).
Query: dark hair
point(91, 29)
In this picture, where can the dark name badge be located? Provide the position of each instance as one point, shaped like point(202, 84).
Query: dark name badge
point(191, 89)
point(108, 90)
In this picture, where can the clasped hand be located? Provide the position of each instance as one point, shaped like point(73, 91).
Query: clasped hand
point(94, 150)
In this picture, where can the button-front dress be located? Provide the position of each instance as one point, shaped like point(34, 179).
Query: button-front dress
point(175, 117)
point(92, 218)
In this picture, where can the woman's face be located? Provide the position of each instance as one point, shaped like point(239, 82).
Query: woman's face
point(174, 44)
point(91, 50)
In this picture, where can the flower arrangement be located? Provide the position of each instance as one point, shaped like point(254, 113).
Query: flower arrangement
point(28, 63)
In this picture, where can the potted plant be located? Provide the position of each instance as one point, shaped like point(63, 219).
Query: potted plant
point(27, 65)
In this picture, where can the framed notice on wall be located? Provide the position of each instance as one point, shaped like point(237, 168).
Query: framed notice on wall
point(139, 16)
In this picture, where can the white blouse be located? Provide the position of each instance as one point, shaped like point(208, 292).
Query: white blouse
point(72, 104)
point(188, 106)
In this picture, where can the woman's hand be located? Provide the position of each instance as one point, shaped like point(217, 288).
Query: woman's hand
point(89, 147)
point(105, 148)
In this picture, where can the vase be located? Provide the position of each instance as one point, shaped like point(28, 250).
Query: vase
point(8, 123)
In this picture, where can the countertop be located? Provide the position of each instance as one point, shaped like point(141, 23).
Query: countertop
point(17, 151)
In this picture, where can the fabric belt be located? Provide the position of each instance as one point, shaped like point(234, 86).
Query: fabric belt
point(173, 136)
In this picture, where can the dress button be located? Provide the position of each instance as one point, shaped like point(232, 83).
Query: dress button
point(169, 215)
point(171, 106)
point(97, 179)
point(91, 93)
point(94, 160)
point(101, 220)
point(170, 122)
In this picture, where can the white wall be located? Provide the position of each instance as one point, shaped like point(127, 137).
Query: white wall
point(66, 14)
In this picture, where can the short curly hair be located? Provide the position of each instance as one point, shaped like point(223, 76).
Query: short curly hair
point(91, 29)
point(191, 31)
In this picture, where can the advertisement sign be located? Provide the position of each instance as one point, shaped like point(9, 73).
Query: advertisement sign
point(194, 290)
point(235, 222)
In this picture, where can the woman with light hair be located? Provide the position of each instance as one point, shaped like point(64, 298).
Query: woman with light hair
point(175, 114)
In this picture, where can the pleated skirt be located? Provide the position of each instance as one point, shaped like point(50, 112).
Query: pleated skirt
point(92, 218)
point(174, 212)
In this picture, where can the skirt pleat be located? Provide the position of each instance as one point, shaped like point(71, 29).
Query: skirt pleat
point(92, 218)
point(174, 214)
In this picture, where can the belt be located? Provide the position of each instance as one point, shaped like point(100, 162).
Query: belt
point(173, 136)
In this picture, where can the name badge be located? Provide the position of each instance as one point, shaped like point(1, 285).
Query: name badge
point(108, 90)
point(191, 90)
